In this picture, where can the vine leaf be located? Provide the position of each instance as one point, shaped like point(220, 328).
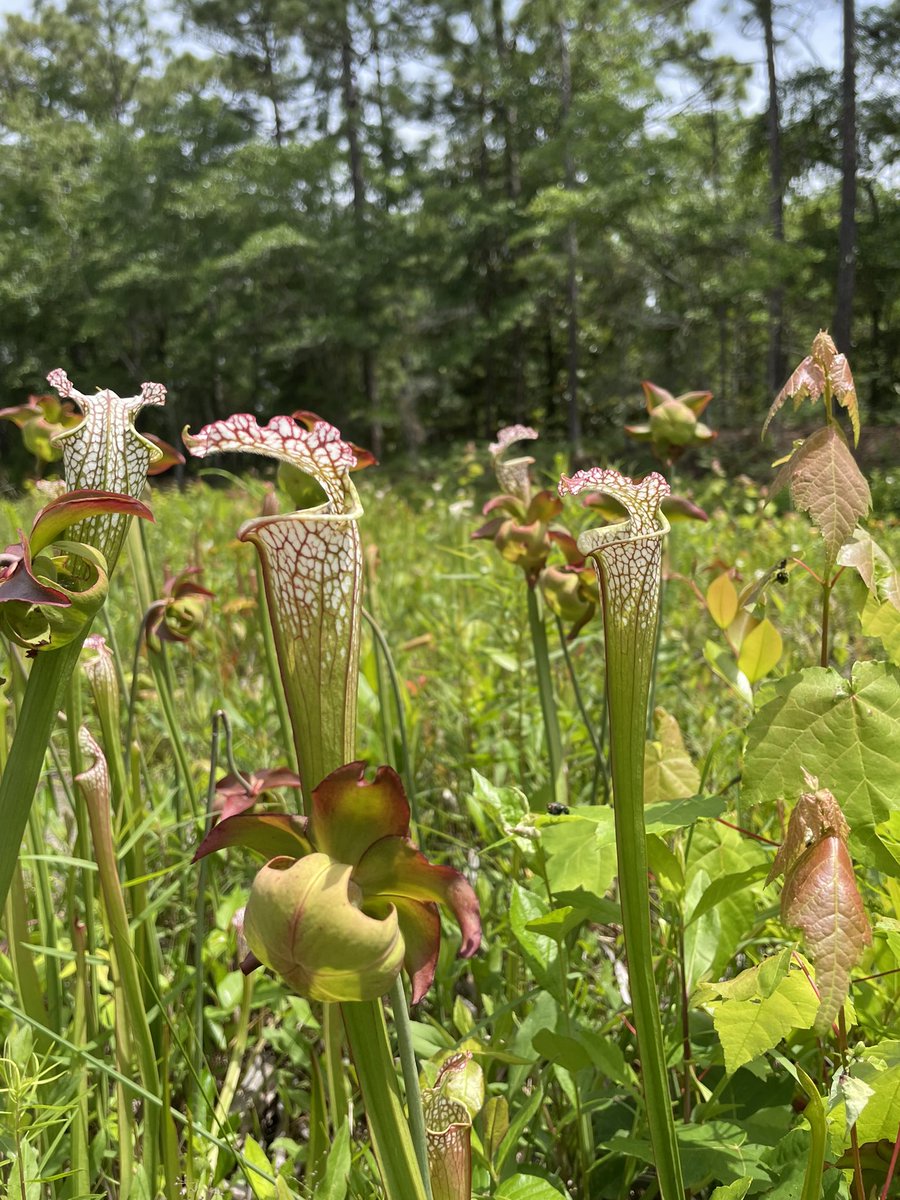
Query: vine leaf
point(820, 896)
point(755, 1011)
point(848, 728)
point(826, 483)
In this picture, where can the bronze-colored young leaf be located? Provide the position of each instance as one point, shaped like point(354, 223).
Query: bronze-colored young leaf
point(827, 484)
point(820, 896)
point(822, 374)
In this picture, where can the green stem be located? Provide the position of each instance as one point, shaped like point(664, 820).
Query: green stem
point(629, 664)
point(275, 683)
point(50, 673)
point(815, 1161)
point(403, 1028)
point(600, 765)
point(369, 1045)
point(827, 585)
point(559, 792)
point(409, 782)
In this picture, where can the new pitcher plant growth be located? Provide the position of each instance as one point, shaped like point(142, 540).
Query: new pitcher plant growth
point(628, 560)
point(53, 583)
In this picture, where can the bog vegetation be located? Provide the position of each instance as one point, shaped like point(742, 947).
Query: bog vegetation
point(617, 913)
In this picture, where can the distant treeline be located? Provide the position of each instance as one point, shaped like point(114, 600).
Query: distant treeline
point(425, 219)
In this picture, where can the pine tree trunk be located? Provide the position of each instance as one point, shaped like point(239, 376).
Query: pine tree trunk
point(846, 276)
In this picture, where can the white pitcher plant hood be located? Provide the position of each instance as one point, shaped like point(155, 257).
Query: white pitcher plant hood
point(628, 554)
point(106, 453)
point(312, 568)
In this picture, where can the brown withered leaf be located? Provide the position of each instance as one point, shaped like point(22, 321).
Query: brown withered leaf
point(827, 484)
point(820, 896)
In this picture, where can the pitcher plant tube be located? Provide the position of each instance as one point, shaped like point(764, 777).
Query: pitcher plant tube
point(312, 568)
point(106, 462)
point(628, 560)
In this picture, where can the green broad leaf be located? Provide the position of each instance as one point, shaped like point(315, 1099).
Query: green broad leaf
point(563, 1051)
point(679, 814)
point(539, 950)
point(506, 807)
point(463, 1021)
point(717, 852)
point(879, 1118)
point(283, 1192)
point(597, 909)
point(669, 773)
point(581, 851)
point(845, 731)
point(723, 664)
point(721, 889)
point(716, 1151)
point(494, 1124)
point(559, 922)
point(751, 1016)
point(733, 1191)
point(528, 1187)
point(722, 600)
point(665, 865)
point(255, 1157)
point(760, 651)
point(881, 619)
point(333, 1185)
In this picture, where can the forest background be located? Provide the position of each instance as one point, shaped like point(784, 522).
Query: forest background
point(427, 219)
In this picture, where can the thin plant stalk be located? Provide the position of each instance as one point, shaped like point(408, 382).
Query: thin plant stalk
point(406, 768)
point(559, 792)
point(403, 1029)
point(600, 764)
point(95, 789)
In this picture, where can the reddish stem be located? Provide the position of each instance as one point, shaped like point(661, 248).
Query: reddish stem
point(893, 1164)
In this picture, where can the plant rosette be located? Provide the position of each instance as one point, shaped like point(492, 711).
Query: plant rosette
point(345, 900)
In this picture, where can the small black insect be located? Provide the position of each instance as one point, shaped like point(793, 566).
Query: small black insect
point(555, 809)
point(782, 577)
